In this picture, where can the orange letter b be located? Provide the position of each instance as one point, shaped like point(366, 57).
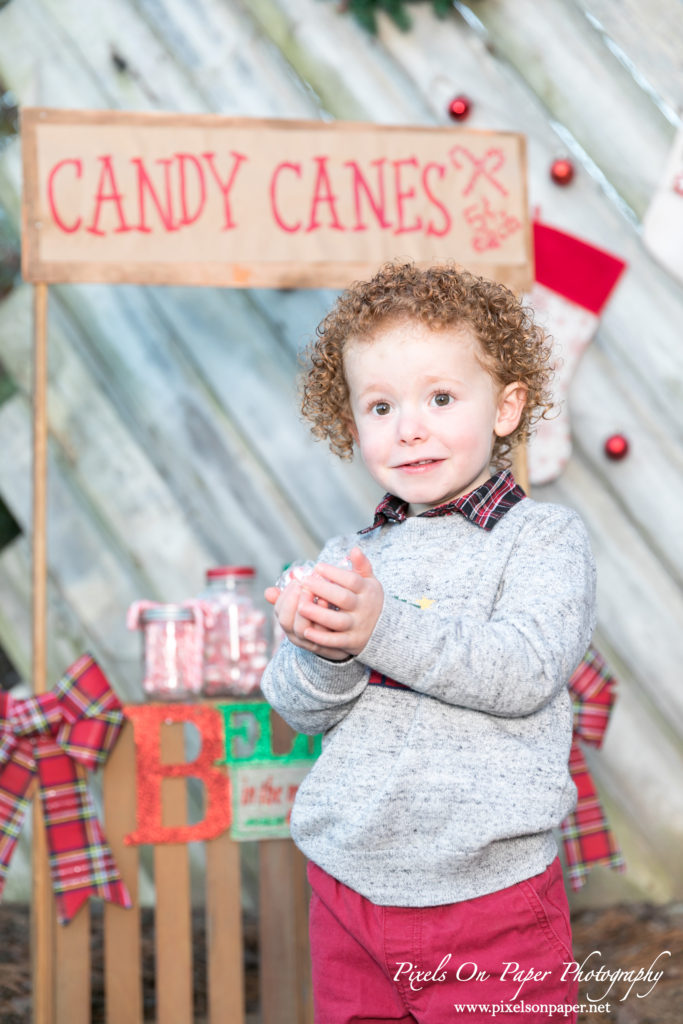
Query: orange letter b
point(147, 720)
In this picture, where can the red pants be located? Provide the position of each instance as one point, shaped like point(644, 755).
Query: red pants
point(426, 964)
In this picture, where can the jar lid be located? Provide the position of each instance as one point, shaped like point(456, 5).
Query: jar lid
point(230, 570)
point(167, 613)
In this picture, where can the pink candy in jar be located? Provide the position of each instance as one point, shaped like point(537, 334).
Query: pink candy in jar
point(235, 644)
point(169, 652)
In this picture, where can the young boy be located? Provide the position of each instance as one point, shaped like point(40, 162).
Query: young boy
point(436, 667)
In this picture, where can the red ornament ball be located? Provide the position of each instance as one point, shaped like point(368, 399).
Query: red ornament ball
point(459, 108)
point(616, 447)
point(562, 171)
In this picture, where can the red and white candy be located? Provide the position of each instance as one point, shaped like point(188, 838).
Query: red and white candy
point(235, 647)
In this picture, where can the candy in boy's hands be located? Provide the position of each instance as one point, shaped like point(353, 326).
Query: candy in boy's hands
point(300, 570)
point(295, 571)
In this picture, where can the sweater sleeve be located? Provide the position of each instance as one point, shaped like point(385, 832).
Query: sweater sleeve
point(311, 693)
point(517, 660)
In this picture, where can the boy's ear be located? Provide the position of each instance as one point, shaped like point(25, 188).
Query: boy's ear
point(510, 408)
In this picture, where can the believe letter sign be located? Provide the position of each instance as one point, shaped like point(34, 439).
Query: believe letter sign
point(181, 199)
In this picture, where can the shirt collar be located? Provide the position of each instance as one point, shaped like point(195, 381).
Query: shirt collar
point(483, 506)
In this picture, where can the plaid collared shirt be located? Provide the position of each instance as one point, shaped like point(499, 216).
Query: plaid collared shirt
point(483, 506)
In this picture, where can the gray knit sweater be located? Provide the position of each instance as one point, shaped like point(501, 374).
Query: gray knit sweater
point(451, 789)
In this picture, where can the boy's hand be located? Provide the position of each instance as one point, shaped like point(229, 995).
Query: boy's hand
point(287, 604)
point(357, 597)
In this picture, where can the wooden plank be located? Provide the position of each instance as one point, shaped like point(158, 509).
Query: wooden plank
point(627, 570)
point(285, 978)
point(285, 973)
point(317, 41)
point(301, 895)
point(42, 907)
point(278, 980)
point(72, 970)
point(602, 401)
point(122, 939)
point(340, 494)
point(173, 919)
point(39, 496)
point(229, 61)
point(225, 954)
point(649, 36)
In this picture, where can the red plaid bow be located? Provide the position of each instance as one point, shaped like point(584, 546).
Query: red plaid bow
point(53, 735)
point(586, 834)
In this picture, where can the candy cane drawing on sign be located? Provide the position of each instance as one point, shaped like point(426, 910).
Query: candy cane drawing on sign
point(491, 224)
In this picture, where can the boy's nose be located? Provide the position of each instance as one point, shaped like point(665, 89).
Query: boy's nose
point(411, 428)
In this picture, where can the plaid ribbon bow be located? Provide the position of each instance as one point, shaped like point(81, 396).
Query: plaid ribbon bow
point(53, 735)
point(586, 835)
point(585, 832)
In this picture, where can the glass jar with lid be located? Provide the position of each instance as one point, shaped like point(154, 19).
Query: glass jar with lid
point(235, 642)
point(170, 639)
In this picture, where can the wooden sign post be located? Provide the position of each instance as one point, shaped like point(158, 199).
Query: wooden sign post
point(203, 200)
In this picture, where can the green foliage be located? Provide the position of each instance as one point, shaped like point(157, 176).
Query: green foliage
point(9, 527)
point(10, 256)
point(9, 242)
point(365, 11)
point(9, 114)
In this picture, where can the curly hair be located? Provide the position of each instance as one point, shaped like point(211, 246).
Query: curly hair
point(512, 347)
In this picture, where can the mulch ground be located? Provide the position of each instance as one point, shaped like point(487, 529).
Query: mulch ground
point(624, 938)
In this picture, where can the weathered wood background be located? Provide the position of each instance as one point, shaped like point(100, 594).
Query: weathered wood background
point(175, 441)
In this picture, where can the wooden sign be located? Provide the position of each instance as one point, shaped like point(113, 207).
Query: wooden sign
point(181, 199)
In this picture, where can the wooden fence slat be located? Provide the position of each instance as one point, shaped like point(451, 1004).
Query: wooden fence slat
point(225, 957)
point(301, 893)
point(43, 923)
point(72, 977)
point(172, 923)
point(285, 973)
point(122, 954)
point(283, 928)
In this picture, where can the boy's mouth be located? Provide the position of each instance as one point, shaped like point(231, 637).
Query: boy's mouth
point(419, 464)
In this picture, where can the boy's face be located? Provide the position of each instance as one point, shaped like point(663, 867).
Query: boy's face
point(426, 412)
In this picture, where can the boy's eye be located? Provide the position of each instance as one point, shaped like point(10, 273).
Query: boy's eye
point(442, 398)
point(381, 408)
